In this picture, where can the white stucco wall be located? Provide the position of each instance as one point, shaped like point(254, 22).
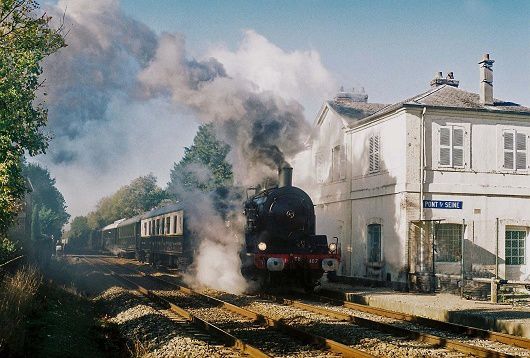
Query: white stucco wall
point(391, 196)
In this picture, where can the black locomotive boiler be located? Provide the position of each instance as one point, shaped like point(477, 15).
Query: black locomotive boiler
point(281, 244)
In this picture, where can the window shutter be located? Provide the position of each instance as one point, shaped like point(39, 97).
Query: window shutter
point(336, 163)
point(445, 146)
point(321, 172)
point(376, 153)
point(445, 136)
point(371, 155)
point(520, 145)
point(458, 147)
point(458, 137)
point(343, 163)
point(508, 149)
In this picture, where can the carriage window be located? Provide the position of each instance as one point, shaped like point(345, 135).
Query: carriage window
point(181, 223)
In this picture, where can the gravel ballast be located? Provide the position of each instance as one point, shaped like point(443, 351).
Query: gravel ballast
point(151, 333)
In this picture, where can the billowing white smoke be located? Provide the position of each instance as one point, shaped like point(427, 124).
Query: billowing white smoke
point(262, 128)
point(216, 263)
point(124, 101)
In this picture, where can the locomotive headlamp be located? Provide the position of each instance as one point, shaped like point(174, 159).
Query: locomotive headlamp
point(262, 246)
point(332, 246)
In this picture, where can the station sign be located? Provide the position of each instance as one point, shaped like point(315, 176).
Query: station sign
point(442, 204)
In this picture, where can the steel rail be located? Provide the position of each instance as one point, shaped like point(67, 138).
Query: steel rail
point(298, 333)
point(228, 339)
point(472, 332)
point(422, 337)
point(394, 330)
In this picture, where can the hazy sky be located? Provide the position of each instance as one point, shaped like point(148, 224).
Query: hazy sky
point(392, 48)
point(128, 93)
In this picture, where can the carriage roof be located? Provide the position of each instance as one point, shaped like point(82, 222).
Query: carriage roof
point(163, 210)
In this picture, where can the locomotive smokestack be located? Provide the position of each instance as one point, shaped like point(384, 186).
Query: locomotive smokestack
point(285, 176)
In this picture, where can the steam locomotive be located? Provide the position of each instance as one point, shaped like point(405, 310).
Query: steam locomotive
point(280, 240)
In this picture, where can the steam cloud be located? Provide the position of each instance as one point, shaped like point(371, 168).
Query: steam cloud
point(261, 127)
point(124, 101)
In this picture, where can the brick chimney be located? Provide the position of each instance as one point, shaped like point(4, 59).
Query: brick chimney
point(438, 80)
point(486, 80)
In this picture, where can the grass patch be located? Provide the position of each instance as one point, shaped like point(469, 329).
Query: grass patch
point(67, 326)
point(41, 319)
point(17, 301)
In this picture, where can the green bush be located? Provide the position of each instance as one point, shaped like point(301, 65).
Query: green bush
point(8, 250)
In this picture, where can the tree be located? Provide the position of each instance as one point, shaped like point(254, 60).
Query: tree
point(35, 226)
point(51, 205)
point(79, 232)
point(141, 195)
point(25, 40)
point(203, 165)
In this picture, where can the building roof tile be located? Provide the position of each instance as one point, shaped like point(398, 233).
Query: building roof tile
point(353, 111)
point(447, 96)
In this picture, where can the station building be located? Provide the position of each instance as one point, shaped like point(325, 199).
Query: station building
point(437, 185)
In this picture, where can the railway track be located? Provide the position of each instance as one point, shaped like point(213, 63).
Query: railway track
point(274, 337)
point(470, 332)
point(434, 343)
point(450, 336)
point(222, 344)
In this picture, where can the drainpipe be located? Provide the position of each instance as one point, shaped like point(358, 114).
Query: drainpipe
point(422, 164)
point(462, 252)
point(422, 158)
point(497, 249)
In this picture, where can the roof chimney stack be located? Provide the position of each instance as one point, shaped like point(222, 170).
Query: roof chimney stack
point(486, 80)
point(438, 80)
point(353, 96)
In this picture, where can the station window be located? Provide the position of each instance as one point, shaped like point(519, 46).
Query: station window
point(320, 169)
point(374, 154)
point(514, 150)
point(145, 229)
point(175, 223)
point(515, 246)
point(448, 242)
point(338, 163)
point(451, 146)
point(167, 225)
point(374, 243)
